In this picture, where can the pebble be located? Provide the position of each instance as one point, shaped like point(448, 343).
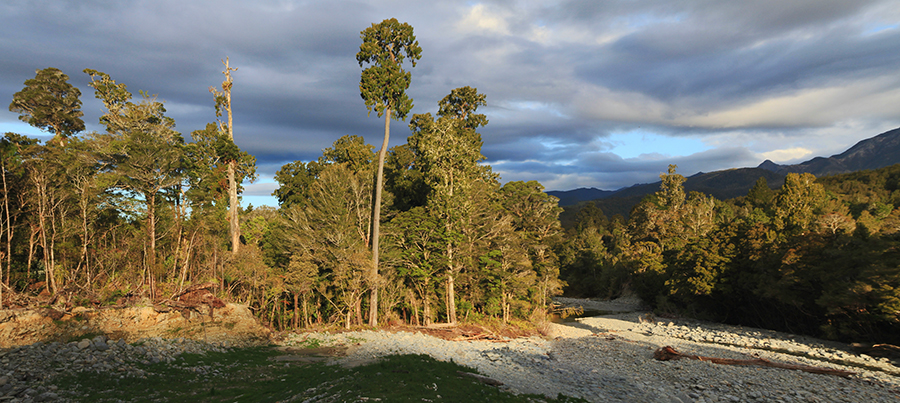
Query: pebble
point(613, 362)
point(599, 359)
point(28, 371)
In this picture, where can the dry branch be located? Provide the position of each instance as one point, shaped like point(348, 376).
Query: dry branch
point(668, 353)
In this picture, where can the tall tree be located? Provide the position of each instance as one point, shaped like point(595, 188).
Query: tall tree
point(448, 151)
point(383, 87)
point(223, 101)
point(45, 193)
point(50, 103)
point(13, 175)
point(142, 152)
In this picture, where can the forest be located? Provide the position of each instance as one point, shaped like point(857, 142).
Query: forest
point(420, 233)
point(139, 212)
point(817, 256)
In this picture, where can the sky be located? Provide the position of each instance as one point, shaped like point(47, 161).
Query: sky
point(602, 94)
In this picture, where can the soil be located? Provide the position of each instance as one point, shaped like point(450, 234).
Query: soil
point(231, 323)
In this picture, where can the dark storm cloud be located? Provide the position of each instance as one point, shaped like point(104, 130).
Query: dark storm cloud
point(751, 78)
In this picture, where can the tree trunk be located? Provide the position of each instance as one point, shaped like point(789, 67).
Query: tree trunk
point(426, 309)
point(233, 224)
point(505, 307)
point(31, 243)
point(187, 259)
point(376, 221)
point(306, 322)
point(357, 309)
point(151, 234)
point(43, 211)
point(233, 207)
point(295, 321)
point(451, 301)
point(85, 236)
point(8, 230)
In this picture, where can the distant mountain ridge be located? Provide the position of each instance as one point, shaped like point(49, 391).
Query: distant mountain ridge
point(880, 151)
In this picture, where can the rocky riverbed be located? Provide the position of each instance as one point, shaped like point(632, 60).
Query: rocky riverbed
point(610, 359)
point(600, 359)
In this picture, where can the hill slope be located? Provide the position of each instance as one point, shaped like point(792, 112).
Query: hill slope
point(880, 151)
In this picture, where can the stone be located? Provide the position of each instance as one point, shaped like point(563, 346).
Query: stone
point(100, 345)
point(46, 397)
point(83, 344)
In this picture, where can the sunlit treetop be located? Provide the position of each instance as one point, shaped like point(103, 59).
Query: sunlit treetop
point(383, 84)
point(48, 102)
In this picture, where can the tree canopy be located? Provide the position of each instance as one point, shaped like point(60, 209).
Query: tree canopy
point(48, 102)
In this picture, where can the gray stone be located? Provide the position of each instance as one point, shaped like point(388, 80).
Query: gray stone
point(83, 344)
point(46, 397)
point(100, 345)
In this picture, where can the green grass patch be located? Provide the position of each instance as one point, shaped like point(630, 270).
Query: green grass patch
point(250, 375)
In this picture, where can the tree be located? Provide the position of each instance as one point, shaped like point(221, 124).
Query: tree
point(48, 102)
point(462, 103)
point(330, 232)
point(14, 179)
point(208, 159)
point(223, 101)
point(383, 87)
point(404, 180)
point(294, 180)
point(798, 202)
point(141, 151)
point(418, 237)
point(536, 216)
point(448, 151)
point(45, 194)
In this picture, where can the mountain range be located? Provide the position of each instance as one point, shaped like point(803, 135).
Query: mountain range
point(877, 152)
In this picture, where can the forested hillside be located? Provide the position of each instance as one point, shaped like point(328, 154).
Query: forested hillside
point(419, 233)
point(816, 256)
point(139, 212)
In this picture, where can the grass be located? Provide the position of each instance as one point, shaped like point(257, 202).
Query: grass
point(249, 375)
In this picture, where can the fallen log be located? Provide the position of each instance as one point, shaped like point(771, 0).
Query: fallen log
point(668, 353)
point(481, 378)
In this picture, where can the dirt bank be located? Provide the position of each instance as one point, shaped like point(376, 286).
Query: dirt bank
point(232, 323)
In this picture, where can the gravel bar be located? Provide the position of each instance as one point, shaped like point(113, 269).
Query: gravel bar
point(605, 358)
point(610, 359)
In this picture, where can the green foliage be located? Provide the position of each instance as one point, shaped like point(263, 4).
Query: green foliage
point(351, 151)
point(383, 85)
point(48, 102)
point(815, 257)
point(462, 103)
point(205, 165)
point(294, 180)
point(135, 211)
point(404, 179)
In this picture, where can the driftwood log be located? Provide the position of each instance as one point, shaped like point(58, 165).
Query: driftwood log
point(481, 378)
point(668, 353)
point(194, 297)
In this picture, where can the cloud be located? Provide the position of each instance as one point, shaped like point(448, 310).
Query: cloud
point(788, 154)
point(746, 80)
